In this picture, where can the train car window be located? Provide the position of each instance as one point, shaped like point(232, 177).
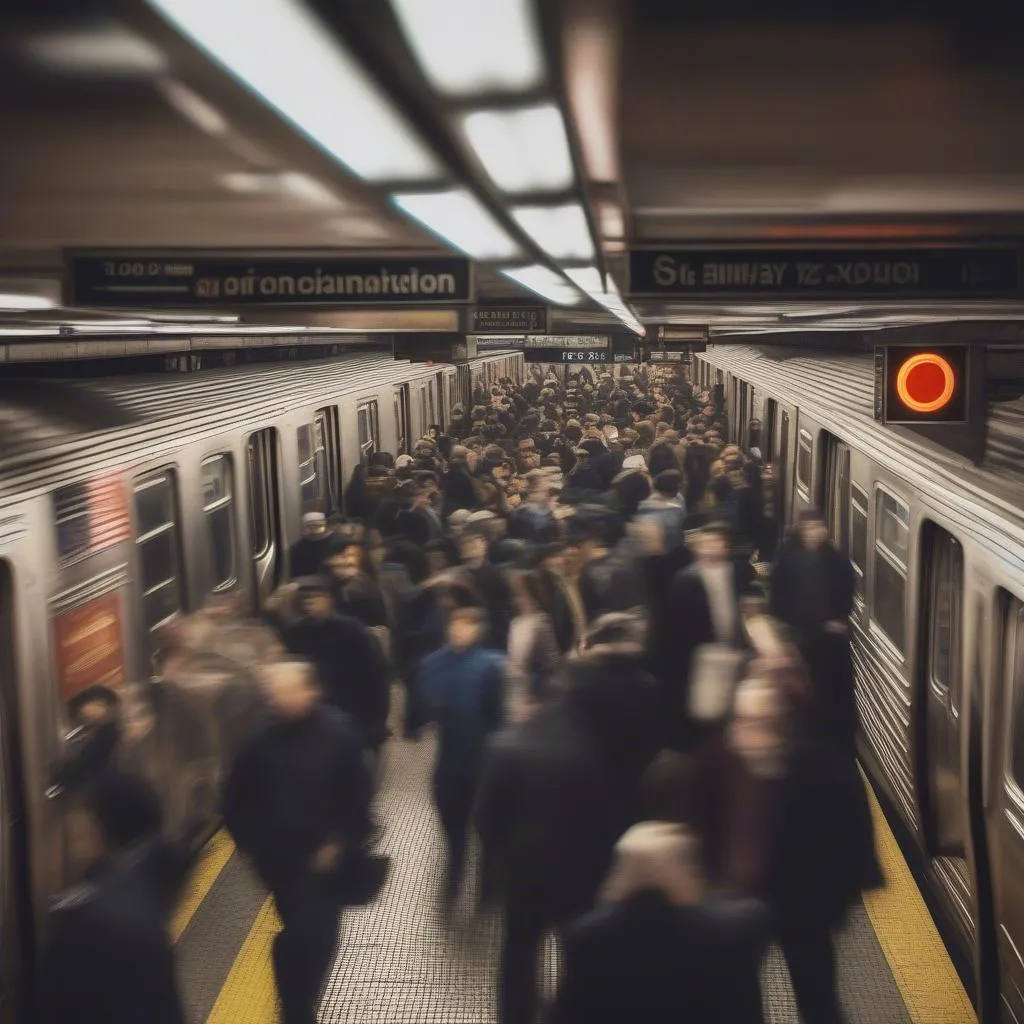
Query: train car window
point(259, 448)
point(947, 585)
point(402, 419)
point(328, 437)
point(1013, 676)
point(858, 538)
point(369, 432)
point(159, 547)
point(311, 468)
point(892, 543)
point(804, 461)
point(219, 513)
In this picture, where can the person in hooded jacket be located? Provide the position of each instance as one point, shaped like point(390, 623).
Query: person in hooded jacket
point(557, 791)
point(108, 959)
point(308, 554)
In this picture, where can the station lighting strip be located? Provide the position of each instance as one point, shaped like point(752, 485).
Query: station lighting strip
point(466, 49)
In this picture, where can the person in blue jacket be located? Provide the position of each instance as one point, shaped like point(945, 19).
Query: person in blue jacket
point(462, 689)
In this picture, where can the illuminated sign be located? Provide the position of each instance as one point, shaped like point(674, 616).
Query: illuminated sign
point(922, 385)
point(204, 281)
point(508, 320)
point(935, 273)
point(568, 355)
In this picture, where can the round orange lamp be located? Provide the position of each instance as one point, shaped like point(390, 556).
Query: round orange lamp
point(925, 382)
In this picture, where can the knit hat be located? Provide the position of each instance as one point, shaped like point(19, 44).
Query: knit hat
point(634, 462)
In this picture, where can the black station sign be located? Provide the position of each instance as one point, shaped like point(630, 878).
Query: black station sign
point(908, 273)
point(568, 355)
point(508, 320)
point(146, 281)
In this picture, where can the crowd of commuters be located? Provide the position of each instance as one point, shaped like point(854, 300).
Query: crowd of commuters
point(651, 735)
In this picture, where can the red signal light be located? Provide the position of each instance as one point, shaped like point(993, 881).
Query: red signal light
point(925, 382)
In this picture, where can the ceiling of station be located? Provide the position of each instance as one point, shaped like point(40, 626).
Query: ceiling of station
point(726, 124)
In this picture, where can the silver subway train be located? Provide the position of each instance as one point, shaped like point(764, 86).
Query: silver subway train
point(126, 502)
point(937, 545)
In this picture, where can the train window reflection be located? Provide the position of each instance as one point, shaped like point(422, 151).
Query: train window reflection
point(947, 588)
point(369, 431)
point(892, 519)
point(1014, 662)
point(804, 455)
point(311, 465)
point(858, 537)
point(159, 547)
point(218, 511)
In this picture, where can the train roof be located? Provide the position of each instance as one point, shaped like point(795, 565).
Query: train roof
point(54, 431)
point(836, 389)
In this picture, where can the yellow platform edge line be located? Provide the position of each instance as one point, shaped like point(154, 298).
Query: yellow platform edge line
point(249, 995)
point(214, 856)
point(920, 965)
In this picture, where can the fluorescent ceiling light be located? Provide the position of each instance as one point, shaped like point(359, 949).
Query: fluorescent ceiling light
point(523, 150)
point(105, 49)
point(545, 283)
point(561, 231)
point(193, 107)
point(286, 55)
point(589, 280)
point(292, 184)
point(11, 300)
point(468, 47)
point(460, 219)
point(359, 228)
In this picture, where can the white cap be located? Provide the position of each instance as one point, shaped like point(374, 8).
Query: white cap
point(313, 518)
point(403, 461)
point(634, 462)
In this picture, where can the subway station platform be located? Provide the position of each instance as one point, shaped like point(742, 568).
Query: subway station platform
point(404, 960)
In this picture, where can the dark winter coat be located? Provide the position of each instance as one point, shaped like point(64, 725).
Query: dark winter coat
point(810, 588)
point(647, 960)
point(307, 554)
point(296, 785)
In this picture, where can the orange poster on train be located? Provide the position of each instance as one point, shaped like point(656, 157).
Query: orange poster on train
point(90, 650)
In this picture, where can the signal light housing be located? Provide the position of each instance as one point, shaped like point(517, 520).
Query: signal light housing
point(922, 385)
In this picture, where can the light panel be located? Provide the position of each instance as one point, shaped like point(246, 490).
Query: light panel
point(461, 220)
point(288, 58)
point(103, 49)
point(545, 283)
point(292, 184)
point(561, 231)
point(19, 302)
point(589, 280)
point(469, 47)
point(525, 150)
point(193, 107)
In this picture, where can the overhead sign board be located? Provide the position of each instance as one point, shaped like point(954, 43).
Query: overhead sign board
point(568, 355)
point(508, 320)
point(595, 341)
point(205, 281)
point(886, 273)
point(499, 344)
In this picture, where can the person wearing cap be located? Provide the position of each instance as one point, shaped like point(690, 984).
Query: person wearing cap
point(658, 946)
point(557, 791)
point(349, 660)
point(307, 555)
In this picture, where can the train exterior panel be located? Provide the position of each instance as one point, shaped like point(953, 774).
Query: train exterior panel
point(126, 502)
point(937, 545)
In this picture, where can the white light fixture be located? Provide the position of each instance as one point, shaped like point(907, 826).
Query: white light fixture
point(281, 51)
point(525, 150)
point(469, 47)
point(292, 184)
point(193, 107)
point(18, 302)
point(460, 219)
point(561, 231)
point(359, 229)
point(589, 280)
point(545, 283)
point(104, 49)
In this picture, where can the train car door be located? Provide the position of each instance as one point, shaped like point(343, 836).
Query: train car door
point(401, 419)
point(1006, 779)
point(835, 501)
point(13, 888)
point(264, 510)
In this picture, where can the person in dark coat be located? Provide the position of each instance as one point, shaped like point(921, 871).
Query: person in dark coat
point(108, 959)
point(812, 581)
point(354, 591)
point(297, 803)
point(489, 582)
point(658, 947)
point(786, 818)
point(308, 554)
point(348, 659)
point(703, 608)
point(557, 791)
point(462, 685)
point(457, 483)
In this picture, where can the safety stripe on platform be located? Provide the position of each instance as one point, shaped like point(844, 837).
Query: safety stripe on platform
point(920, 965)
point(249, 995)
point(215, 855)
